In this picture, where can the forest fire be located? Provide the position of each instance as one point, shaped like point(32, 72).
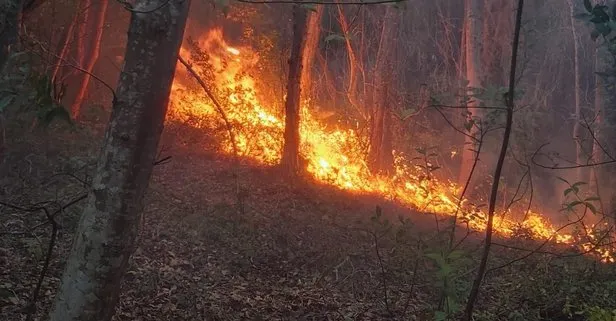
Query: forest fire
point(333, 156)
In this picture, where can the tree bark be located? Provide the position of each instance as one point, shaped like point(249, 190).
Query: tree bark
point(311, 46)
point(351, 91)
point(90, 56)
point(10, 17)
point(380, 154)
point(109, 225)
point(579, 153)
point(65, 46)
point(472, 47)
point(290, 152)
point(605, 100)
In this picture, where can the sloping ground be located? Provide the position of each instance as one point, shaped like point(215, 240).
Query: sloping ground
point(264, 248)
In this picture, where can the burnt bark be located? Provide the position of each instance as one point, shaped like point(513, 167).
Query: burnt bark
point(380, 154)
point(109, 225)
point(290, 152)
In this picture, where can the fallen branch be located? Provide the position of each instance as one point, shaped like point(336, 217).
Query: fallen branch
point(218, 106)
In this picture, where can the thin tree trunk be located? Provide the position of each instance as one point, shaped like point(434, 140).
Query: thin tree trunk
point(106, 235)
point(91, 56)
point(290, 152)
point(10, 17)
point(472, 46)
point(380, 154)
point(351, 91)
point(310, 49)
point(579, 175)
point(509, 102)
point(82, 29)
point(596, 155)
point(65, 45)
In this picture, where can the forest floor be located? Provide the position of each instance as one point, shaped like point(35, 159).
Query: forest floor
point(268, 250)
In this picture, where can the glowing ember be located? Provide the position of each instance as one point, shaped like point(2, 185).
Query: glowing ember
point(233, 51)
point(334, 155)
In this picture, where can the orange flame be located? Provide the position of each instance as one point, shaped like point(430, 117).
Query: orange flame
point(333, 155)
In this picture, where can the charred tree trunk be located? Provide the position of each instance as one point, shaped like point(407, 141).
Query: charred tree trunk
point(312, 45)
point(290, 152)
point(10, 18)
point(380, 154)
point(472, 47)
point(109, 225)
point(90, 49)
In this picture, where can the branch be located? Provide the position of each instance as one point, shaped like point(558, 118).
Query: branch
point(31, 308)
point(218, 106)
point(361, 3)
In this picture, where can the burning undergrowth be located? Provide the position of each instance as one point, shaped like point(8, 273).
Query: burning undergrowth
point(333, 154)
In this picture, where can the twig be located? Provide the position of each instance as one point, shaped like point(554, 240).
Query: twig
point(382, 266)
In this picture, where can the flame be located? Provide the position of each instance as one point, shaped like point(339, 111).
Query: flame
point(334, 154)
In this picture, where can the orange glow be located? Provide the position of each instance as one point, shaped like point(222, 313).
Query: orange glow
point(334, 155)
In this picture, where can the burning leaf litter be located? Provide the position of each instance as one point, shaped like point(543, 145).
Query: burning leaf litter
point(334, 156)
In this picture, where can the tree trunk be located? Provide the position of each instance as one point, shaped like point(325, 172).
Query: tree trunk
point(109, 225)
point(472, 46)
point(290, 152)
point(596, 154)
point(380, 154)
point(67, 41)
point(10, 17)
point(605, 100)
point(579, 174)
point(351, 91)
point(90, 56)
point(312, 45)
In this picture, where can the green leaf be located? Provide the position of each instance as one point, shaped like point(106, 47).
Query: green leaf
point(592, 198)
point(588, 5)
point(440, 316)
point(334, 36)
point(591, 207)
point(456, 254)
point(574, 204)
point(582, 16)
point(56, 112)
point(562, 179)
point(568, 190)
point(5, 102)
point(309, 6)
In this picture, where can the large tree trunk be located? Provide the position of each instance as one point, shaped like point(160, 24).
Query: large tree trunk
point(312, 45)
point(290, 152)
point(472, 47)
point(380, 155)
point(10, 17)
point(90, 56)
point(109, 225)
